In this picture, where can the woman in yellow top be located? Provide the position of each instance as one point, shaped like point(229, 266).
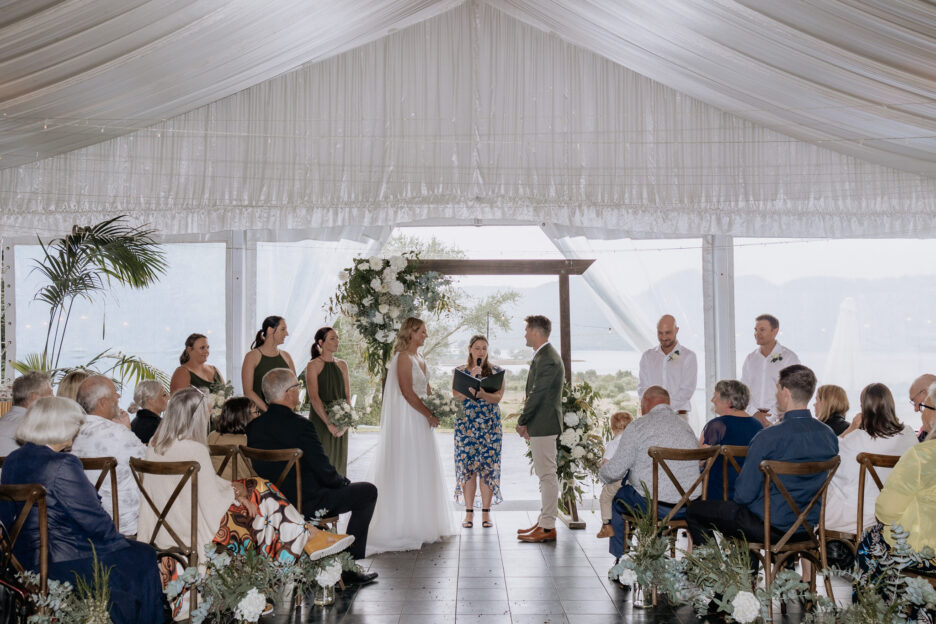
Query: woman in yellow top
point(908, 499)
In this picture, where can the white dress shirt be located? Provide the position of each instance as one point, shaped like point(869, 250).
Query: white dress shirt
point(99, 437)
point(677, 372)
point(760, 375)
point(8, 424)
point(611, 446)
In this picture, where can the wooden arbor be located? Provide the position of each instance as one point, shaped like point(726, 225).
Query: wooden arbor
point(560, 268)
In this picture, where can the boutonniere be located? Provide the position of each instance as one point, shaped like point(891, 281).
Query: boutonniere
point(776, 357)
point(672, 357)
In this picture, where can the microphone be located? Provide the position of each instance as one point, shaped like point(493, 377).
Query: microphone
point(478, 364)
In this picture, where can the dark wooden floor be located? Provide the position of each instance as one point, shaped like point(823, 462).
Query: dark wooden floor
point(486, 576)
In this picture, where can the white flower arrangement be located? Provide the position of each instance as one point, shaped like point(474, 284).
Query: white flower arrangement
point(672, 357)
point(627, 577)
point(219, 393)
point(329, 575)
point(442, 405)
point(342, 415)
point(745, 607)
point(569, 438)
point(578, 452)
point(251, 606)
point(395, 288)
point(571, 419)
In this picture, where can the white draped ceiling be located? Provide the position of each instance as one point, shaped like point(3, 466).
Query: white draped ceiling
point(679, 117)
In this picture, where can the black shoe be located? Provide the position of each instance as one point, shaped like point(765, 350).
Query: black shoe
point(353, 577)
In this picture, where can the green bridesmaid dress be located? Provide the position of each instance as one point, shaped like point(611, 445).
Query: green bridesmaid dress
point(264, 366)
point(331, 387)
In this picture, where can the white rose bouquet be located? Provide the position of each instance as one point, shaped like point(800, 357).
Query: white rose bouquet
point(218, 393)
point(442, 405)
point(342, 415)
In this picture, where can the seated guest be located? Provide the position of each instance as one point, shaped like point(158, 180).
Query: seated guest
point(149, 401)
point(875, 430)
point(76, 520)
point(733, 426)
point(797, 438)
point(619, 422)
point(225, 508)
point(918, 394)
point(106, 433)
point(68, 387)
point(322, 487)
point(831, 406)
point(660, 425)
point(230, 429)
point(27, 389)
point(908, 499)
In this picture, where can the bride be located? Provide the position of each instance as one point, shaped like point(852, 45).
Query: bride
point(412, 508)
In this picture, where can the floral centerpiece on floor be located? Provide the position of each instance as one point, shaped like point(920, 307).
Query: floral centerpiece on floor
point(377, 294)
point(342, 415)
point(580, 446)
point(86, 603)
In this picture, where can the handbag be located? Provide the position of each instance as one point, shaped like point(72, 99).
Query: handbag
point(14, 597)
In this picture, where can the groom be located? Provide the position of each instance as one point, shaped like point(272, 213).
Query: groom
point(541, 422)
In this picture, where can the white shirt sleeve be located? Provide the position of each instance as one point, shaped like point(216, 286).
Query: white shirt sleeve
point(682, 396)
point(643, 374)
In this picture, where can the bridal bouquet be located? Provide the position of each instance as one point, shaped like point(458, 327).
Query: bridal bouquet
point(342, 415)
point(442, 405)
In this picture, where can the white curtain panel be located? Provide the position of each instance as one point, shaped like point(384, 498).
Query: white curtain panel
point(296, 277)
point(471, 114)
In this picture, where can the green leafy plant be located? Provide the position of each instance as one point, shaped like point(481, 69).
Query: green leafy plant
point(84, 603)
point(645, 561)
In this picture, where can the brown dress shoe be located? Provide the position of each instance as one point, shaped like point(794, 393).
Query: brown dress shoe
point(538, 535)
point(606, 531)
point(530, 530)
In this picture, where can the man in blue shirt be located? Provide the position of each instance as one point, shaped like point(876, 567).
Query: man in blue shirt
point(798, 438)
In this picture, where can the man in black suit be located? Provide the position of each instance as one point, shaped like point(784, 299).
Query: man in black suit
point(323, 488)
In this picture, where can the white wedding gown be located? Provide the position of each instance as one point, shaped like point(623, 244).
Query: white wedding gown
point(413, 507)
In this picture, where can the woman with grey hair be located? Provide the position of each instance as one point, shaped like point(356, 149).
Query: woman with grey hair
point(78, 526)
point(149, 401)
point(732, 426)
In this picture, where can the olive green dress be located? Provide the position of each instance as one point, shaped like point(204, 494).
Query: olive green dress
point(331, 387)
point(264, 366)
point(204, 384)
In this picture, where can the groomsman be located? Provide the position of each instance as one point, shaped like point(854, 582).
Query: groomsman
point(541, 423)
point(762, 368)
point(671, 366)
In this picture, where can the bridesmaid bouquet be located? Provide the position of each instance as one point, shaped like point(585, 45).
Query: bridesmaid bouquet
point(219, 393)
point(442, 405)
point(342, 415)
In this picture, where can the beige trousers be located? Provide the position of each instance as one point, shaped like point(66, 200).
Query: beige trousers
point(544, 466)
point(606, 499)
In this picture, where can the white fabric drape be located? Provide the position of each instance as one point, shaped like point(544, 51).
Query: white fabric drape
point(471, 114)
point(296, 278)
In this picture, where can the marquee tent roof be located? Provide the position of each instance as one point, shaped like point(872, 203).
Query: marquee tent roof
point(675, 117)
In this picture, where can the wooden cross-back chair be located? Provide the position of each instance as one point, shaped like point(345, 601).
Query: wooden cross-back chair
point(661, 455)
point(774, 554)
point(730, 454)
point(108, 468)
point(229, 452)
point(290, 457)
point(30, 495)
point(185, 553)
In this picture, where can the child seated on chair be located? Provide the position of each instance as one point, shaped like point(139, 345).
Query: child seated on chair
point(619, 422)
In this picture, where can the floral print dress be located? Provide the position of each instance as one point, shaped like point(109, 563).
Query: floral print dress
point(478, 436)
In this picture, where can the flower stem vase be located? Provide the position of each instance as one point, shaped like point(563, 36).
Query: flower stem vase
point(642, 596)
point(324, 596)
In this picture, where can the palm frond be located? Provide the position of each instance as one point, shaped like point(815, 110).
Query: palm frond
point(132, 368)
point(34, 362)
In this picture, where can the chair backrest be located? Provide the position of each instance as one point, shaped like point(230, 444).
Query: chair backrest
point(662, 455)
point(106, 466)
point(290, 456)
point(229, 452)
point(869, 463)
point(730, 455)
point(772, 470)
point(187, 471)
point(29, 494)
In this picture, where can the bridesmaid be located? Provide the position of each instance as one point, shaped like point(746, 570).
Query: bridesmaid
point(264, 356)
point(478, 439)
point(194, 370)
point(327, 381)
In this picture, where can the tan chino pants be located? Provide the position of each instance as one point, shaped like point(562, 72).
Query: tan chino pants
point(544, 466)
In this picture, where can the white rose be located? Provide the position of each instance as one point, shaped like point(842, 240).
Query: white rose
point(367, 300)
point(569, 438)
point(395, 288)
point(628, 577)
point(745, 607)
point(398, 263)
point(383, 308)
point(343, 276)
point(389, 274)
point(375, 263)
point(376, 284)
point(362, 265)
point(353, 308)
point(251, 606)
point(578, 452)
point(394, 312)
point(571, 419)
point(378, 319)
point(329, 575)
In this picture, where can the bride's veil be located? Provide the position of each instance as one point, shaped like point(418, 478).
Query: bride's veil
point(394, 406)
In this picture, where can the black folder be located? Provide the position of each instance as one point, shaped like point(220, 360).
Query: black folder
point(462, 381)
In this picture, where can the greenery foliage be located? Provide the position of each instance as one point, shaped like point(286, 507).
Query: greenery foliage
point(64, 604)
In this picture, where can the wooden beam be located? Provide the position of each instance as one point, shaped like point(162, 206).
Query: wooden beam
point(505, 267)
point(565, 329)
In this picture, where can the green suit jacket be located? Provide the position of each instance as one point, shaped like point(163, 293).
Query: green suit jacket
point(542, 411)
